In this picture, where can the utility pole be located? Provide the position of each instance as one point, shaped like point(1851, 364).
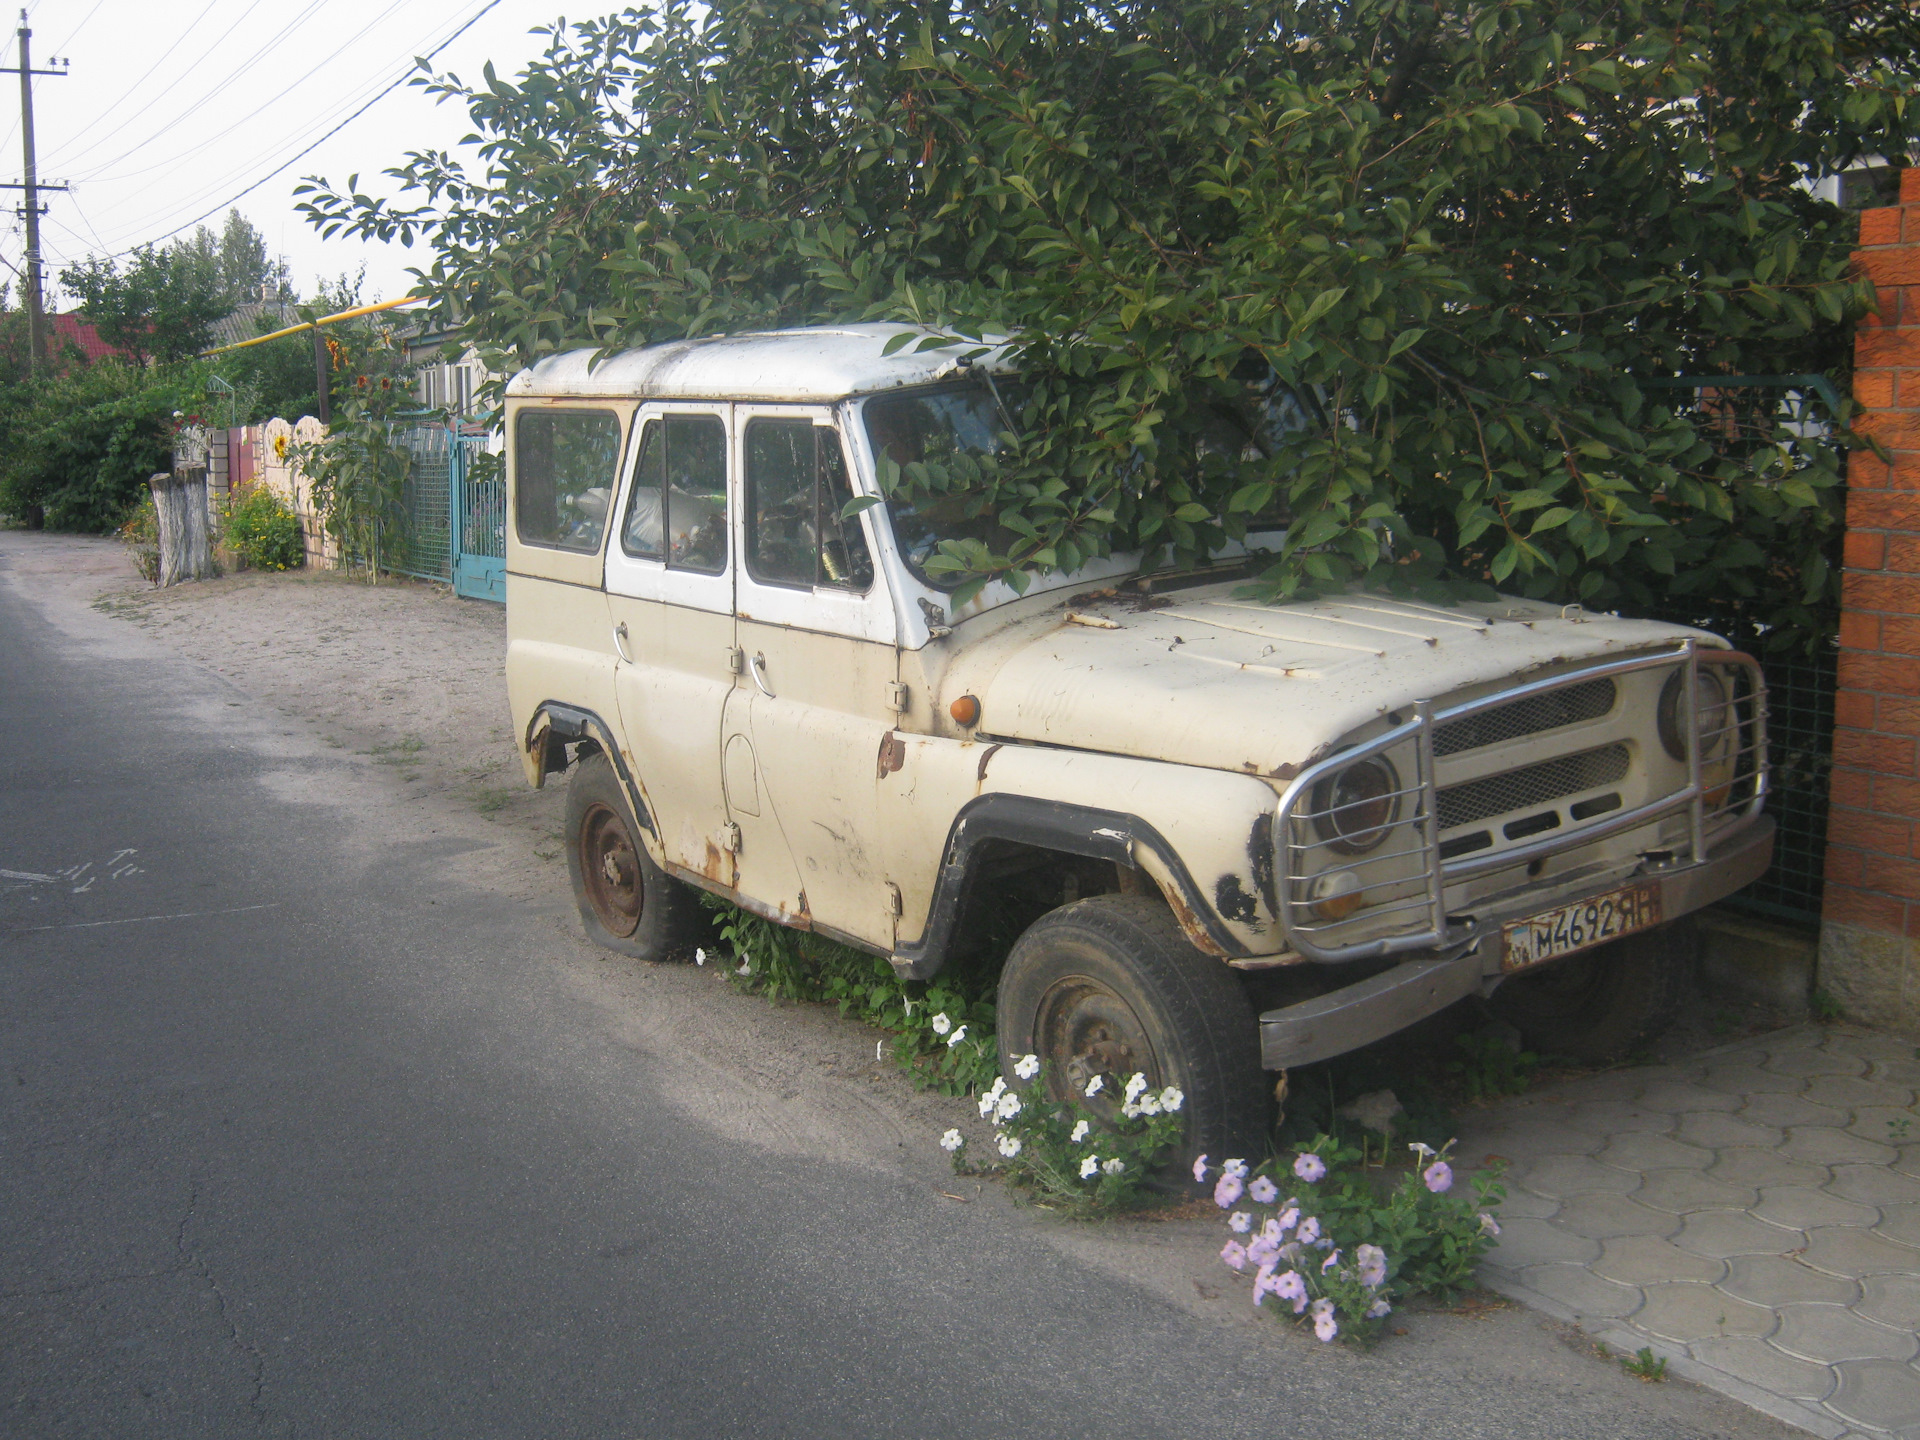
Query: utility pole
point(32, 210)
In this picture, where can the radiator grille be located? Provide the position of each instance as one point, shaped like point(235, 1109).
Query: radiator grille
point(1549, 711)
point(1533, 785)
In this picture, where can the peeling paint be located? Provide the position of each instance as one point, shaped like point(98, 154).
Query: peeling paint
point(893, 754)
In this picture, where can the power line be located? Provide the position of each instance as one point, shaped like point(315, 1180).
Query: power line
point(210, 94)
point(127, 94)
point(308, 150)
point(95, 173)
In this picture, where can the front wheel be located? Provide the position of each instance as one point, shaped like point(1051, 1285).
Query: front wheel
point(1607, 1003)
point(1110, 986)
point(627, 903)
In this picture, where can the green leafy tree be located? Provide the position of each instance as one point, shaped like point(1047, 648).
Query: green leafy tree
point(160, 306)
point(77, 448)
point(1469, 234)
point(163, 303)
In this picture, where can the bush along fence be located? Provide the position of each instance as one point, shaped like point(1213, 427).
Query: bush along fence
point(446, 523)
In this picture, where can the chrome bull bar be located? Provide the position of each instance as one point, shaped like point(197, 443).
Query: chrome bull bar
point(1422, 899)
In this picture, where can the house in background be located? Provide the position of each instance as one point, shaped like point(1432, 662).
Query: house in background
point(71, 330)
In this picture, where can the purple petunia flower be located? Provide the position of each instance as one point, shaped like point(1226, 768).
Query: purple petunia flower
point(1200, 1170)
point(1263, 1191)
point(1228, 1190)
point(1309, 1231)
point(1235, 1254)
point(1439, 1177)
point(1309, 1167)
point(1240, 1222)
point(1373, 1266)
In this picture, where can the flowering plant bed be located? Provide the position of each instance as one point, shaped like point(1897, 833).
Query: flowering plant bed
point(1068, 1156)
point(1326, 1239)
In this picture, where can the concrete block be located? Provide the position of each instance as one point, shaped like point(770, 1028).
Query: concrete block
point(1874, 976)
point(1756, 961)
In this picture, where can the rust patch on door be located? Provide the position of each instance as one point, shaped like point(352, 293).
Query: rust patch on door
point(893, 753)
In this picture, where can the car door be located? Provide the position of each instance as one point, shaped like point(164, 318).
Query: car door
point(814, 705)
point(669, 582)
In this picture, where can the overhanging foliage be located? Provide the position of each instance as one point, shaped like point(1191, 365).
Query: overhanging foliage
point(1474, 228)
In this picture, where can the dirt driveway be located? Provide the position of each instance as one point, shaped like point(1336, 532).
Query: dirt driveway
point(408, 680)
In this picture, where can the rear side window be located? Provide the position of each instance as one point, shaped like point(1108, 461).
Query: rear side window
point(678, 509)
point(564, 463)
point(796, 490)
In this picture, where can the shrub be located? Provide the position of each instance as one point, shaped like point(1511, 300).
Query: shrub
point(141, 535)
point(81, 445)
point(264, 532)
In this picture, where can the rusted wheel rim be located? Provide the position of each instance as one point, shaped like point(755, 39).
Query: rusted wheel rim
point(1084, 1029)
point(611, 869)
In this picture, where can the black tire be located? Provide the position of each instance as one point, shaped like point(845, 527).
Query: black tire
point(628, 903)
point(1605, 1004)
point(1110, 985)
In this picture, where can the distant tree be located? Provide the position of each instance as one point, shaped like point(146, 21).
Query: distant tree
point(165, 302)
point(162, 306)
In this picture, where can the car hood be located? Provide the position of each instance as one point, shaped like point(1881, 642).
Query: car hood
point(1203, 678)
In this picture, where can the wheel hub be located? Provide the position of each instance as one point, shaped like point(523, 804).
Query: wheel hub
point(610, 869)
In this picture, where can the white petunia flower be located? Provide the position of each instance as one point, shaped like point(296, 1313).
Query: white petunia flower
point(952, 1141)
point(941, 1024)
point(1171, 1099)
point(1095, 1085)
point(1080, 1132)
point(1089, 1167)
point(1009, 1145)
point(1236, 1168)
point(957, 1036)
point(1113, 1167)
point(1136, 1085)
point(745, 969)
point(987, 1102)
point(699, 957)
point(1027, 1066)
point(1006, 1107)
point(1149, 1104)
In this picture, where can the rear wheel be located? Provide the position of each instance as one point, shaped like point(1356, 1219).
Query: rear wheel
point(627, 903)
point(1607, 1003)
point(1110, 986)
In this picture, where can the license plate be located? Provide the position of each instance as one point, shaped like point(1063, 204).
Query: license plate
point(1553, 933)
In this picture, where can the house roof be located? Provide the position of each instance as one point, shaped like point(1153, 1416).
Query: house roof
point(823, 363)
point(70, 329)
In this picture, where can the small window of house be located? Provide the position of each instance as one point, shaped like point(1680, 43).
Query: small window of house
point(564, 467)
point(678, 509)
point(796, 490)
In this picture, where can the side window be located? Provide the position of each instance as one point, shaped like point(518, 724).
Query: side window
point(678, 509)
point(796, 488)
point(564, 467)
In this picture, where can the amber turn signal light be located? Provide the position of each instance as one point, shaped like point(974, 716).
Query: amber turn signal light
point(966, 710)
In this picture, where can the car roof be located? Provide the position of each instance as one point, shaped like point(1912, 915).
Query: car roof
point(812, 364)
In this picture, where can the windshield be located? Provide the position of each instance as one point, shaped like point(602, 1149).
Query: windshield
point(939, 438)
point(942, 438)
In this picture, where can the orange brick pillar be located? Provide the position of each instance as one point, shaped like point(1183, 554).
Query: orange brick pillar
point(1870, 931)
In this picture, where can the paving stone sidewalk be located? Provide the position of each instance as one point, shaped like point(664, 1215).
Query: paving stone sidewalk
point(1752, 1214)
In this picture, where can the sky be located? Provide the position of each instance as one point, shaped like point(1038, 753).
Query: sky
point(171, 108)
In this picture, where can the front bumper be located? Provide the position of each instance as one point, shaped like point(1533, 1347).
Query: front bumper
point(1393, 999)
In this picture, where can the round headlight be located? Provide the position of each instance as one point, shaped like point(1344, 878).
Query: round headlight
point(1712, 714)
point(1354, 809)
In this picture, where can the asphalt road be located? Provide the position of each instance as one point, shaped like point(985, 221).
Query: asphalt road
point(303, 1137)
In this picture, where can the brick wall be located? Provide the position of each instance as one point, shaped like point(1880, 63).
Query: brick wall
point(1870, 935)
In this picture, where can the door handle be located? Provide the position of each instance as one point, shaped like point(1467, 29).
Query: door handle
point(620, 641)
point(758, 666)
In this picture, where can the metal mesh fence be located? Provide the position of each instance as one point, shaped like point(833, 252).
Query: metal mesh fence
point(1743, 414)
point(426, 549)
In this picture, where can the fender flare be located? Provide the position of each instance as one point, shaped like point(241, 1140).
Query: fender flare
point(1051, 825)
point(568, 724)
